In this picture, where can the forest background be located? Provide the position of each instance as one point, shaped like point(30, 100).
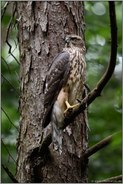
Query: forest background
point(104, 114)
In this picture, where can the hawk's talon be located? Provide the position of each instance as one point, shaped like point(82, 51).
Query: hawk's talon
point(70, 107)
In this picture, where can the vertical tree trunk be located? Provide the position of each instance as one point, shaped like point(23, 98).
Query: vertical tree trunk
point(42, 28)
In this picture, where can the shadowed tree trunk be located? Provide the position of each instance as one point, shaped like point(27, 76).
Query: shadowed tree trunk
point(42, 29)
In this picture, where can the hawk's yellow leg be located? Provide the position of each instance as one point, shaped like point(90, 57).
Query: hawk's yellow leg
point(69, 107)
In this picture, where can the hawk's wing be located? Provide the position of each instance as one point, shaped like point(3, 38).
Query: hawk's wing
point(55, 80)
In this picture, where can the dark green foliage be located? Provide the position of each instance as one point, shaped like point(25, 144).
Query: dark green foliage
point(9, 100)
point(105, 112)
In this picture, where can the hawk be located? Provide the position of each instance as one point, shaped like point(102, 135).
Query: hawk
point(64, 86)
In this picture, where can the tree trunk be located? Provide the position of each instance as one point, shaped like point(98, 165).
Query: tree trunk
point(42, 29)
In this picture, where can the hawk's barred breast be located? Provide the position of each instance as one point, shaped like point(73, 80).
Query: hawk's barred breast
point(76, 77)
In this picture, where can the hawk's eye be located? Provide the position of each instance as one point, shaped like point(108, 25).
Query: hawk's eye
point(73, 39)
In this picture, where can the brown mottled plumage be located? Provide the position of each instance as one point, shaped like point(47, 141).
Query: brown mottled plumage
point(64, 84)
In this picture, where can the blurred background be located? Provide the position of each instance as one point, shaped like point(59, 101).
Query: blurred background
point(104, 114)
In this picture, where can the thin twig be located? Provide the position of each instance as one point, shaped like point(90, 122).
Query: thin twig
point(9, 118)
point(6, 64)
point(16, 45)
point(7, 36)
point(10, 174)
point(7, 150)
point(4, 9)
point(10, 84)
point(115, 179)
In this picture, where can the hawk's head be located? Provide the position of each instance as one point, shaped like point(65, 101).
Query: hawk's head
point(74, 40)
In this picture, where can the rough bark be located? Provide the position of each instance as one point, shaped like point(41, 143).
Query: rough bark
point(42, 28)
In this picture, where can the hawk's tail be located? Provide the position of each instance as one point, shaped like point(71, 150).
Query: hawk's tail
point(57, 136)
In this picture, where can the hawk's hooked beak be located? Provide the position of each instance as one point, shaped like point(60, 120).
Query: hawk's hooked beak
point(67, 40)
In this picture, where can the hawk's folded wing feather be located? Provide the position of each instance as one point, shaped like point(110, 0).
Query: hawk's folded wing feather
point(55, 80)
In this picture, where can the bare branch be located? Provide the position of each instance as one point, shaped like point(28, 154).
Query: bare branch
point(115, 179)
point(97, 147)
point(11, 176)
